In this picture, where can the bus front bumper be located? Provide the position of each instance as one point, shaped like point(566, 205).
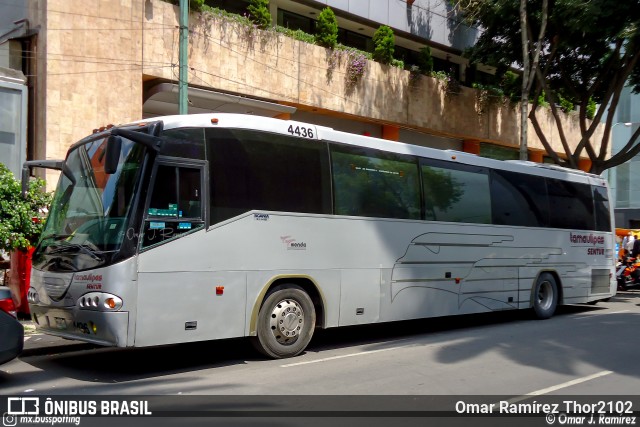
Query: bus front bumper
point(96, 327)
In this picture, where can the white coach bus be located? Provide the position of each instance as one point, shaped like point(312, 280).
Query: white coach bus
point(201, 227)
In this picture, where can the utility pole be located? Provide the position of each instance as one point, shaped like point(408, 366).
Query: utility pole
point(183, 85)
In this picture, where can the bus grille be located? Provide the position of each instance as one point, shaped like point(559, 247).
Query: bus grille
point(55, 287)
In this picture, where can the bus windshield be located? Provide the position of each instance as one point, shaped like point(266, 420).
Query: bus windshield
point(88, 219)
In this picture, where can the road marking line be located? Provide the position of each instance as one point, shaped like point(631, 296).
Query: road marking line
point(561, 386)
point(601, 314)
point(364, 353)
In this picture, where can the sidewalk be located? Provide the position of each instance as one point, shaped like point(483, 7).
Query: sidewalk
point(37, 343)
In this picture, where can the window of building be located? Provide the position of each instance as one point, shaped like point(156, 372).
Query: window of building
point(457, 193)
point(375, 184)
point(252, 170)
point(232, 6)
point(293, 21)
point(498, 152)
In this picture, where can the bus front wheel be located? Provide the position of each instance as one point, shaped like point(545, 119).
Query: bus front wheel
point(545, 296)
point(286, 322)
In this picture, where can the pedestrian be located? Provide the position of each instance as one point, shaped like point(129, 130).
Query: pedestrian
point(630, 242)
point(635, 247)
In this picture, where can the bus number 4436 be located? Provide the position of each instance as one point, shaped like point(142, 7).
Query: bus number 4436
point(301, 131)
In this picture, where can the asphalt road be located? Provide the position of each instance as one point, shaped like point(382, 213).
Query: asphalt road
point(582, 350)
point(403, 373)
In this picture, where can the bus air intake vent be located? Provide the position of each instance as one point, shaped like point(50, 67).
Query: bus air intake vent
point(600, 280)
point(55, 287)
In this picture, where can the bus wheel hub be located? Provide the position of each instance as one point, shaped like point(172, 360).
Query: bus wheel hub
point(287, 321)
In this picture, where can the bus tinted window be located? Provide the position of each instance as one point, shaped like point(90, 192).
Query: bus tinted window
point(257, 170)
point(601, 203)
point(375, 184)
point(519, 199)
point(570, 205)
point(184, 142)
point(456, 193)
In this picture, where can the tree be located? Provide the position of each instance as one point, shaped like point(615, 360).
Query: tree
point(259, 13)
point(20, 217)
point(327, 28)
point(384, 44)
point(587, 53)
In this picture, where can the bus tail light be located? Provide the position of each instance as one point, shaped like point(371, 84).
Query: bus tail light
point(100, 301)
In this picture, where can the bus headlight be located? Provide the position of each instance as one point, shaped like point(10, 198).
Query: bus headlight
point(32, 296)
point(100, 301)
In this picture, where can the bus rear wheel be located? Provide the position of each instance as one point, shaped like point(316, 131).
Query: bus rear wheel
point(286, 322)
point(545, 296)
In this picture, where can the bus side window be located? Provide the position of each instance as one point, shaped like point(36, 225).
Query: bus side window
point(175, 205)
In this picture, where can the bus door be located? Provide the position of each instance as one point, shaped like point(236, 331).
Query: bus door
point(169, 265)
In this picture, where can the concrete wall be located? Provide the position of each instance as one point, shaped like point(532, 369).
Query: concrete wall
point(94, 55)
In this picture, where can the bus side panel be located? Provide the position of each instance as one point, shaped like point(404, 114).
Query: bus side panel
point(181, 298)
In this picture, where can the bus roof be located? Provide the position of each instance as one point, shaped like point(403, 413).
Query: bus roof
point(267, 124)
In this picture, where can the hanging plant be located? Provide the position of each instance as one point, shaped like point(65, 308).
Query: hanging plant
point(356, 64)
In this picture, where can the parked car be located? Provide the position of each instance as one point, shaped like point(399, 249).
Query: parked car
point(11, 331)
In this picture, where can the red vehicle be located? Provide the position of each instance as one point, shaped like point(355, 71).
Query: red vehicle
point(11, 331)
point(628, 273)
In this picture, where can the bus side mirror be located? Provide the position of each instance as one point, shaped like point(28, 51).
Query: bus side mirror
point(114, 145)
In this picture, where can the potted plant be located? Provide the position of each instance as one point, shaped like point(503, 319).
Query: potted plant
point(21, 222)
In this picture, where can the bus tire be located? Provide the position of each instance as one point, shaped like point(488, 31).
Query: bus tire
point(545, 296)
point(286, 322)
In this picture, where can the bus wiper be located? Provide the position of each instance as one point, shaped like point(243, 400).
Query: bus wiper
point(81, 248)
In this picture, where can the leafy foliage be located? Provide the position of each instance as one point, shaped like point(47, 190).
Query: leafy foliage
point(296, 34)
point(590, 51)
point(259, 13)
point(384, 44)
point(425, 60)
point(327, 28)
point(20, 218)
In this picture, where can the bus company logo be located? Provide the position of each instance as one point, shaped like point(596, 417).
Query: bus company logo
point(88, 278)
point(590, 239)
point(292, 244)
point(261, 217)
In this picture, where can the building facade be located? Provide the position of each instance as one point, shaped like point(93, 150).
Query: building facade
point(625, 179)
point(90, 63)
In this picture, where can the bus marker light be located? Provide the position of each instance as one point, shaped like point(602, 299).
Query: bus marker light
point(458, 280)
point(110, 303)
point(219, 290)
point(453, 157)
point(214, 121)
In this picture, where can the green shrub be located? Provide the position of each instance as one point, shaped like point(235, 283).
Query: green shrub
point(327, 28)
point(20, 218)
point(591, 109)
point(565, 104)
point(384, 44)
point(425, 61)
point(296, 34)
point(259, 13)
